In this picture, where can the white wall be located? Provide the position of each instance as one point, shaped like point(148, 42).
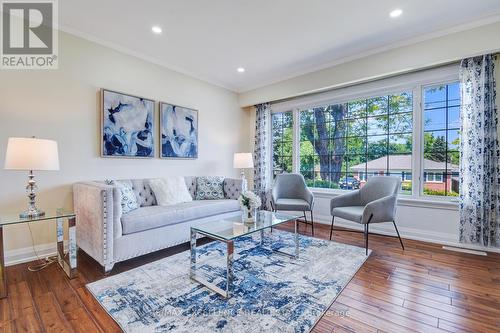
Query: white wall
point(64, 105)
point(449, 48)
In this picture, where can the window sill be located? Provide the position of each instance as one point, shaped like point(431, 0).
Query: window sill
point(403, 200)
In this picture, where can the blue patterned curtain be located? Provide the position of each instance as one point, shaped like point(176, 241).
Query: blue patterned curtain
point(479, 154)
point(261, 151)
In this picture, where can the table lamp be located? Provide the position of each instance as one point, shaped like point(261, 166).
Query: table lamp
point(31, 154)
point(243, 161)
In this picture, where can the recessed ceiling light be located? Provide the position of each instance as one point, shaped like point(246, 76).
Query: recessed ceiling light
point(395, 13)
point(240, 70)
point(156, 29)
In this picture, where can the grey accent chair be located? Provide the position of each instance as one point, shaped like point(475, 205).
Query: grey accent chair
point(375, 202)
point(290, 193)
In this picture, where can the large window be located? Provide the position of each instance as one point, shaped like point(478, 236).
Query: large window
point(407, 126)
point(342, 144)
point(441, 139)
point(282, 136)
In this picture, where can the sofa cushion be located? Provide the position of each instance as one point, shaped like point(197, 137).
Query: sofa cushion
point(170, 191)
point(191, 185)
point(232, 188)
point(209, 188)
point(143, 192)
point(150, 217)
point(129, 201)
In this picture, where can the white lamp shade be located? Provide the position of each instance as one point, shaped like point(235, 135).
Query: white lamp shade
point(31, 154)
point(243, 161)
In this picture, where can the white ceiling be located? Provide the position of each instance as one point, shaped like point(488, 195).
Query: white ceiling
point(272, 39)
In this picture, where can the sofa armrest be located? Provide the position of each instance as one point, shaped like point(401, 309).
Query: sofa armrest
point(233, 188)
point(98, 211)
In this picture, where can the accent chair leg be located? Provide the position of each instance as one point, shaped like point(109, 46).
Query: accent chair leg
point(331, 229)
point(397, 231)
point(312, 222)
point(305, 218)
point(366, 239)
point(367, 232)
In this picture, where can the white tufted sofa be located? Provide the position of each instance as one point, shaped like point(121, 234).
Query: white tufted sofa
point(109, 236)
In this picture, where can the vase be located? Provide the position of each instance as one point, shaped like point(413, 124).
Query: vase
point(248, 215)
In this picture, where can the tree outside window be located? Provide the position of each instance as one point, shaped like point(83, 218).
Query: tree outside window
point(342, 143)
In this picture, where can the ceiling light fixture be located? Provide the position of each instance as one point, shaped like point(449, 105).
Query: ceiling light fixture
point(240, 70)
point(156, 29)
point(395, 13)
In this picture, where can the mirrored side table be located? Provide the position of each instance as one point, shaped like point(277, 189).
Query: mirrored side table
point(66, 261)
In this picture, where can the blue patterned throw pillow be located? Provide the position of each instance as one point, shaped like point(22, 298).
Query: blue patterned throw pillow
point(209, 188)
point(128, 200)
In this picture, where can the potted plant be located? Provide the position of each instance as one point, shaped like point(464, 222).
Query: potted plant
point(249, 202)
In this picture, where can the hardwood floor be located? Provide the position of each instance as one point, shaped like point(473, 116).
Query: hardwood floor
point(421, 289)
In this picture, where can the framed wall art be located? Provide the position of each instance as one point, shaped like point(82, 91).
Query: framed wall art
point(128, 125)
point(178, 131)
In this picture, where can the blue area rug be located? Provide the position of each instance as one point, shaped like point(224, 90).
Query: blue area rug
point(272, 293)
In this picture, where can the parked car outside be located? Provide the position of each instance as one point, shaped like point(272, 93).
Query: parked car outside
point(349, 183)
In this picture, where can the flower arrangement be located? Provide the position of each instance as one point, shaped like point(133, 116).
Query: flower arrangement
point(249, 200)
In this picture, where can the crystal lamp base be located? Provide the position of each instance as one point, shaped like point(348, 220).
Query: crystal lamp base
point(31, 213)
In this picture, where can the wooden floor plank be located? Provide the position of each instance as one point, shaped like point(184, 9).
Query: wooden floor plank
point(473, 322)
point(50, 314)
point(421, 289)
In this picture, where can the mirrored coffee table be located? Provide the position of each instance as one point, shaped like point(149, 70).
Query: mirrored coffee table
point(227, 231)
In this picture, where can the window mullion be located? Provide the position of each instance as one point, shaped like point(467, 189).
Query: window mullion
point(417, 147)
point(295, 142)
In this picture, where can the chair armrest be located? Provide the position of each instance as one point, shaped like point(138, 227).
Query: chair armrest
point(309, 197)
point(274, 194)
point(381, 210)
point(348, 199)
point(233, 188)
point(98, 210)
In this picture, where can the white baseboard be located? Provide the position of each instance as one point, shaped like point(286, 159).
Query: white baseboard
point(409, 233)
point(26, 254)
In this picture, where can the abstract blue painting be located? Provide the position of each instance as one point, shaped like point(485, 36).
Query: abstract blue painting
point(127, 125)
point(179, 131)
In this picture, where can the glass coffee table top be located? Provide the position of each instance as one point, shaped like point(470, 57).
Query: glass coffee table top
point(233, 227)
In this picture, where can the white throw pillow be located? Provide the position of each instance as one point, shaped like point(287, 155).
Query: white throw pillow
point(170, 191)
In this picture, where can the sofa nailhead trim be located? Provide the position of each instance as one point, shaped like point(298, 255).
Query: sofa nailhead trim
point(105, 219)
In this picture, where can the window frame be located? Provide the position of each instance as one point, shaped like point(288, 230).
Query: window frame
point(271, 143)
point(421, 194)
point(411, 82)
